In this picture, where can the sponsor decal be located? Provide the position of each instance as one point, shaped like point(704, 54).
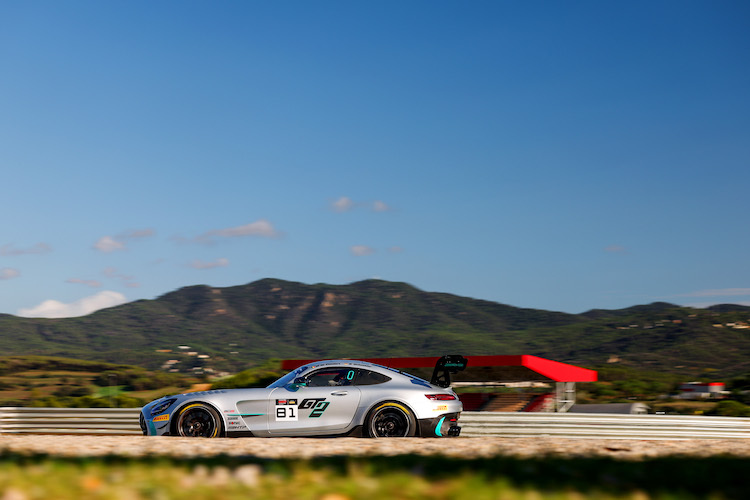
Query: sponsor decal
point(286, 402)
point(441, 408)
point(318, 406)
point(161, 418)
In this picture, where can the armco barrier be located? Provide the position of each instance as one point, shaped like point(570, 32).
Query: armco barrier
point(597, 425)
point(113, 421)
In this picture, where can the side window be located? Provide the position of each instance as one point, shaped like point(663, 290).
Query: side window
point(367, 377)
point(331, 377)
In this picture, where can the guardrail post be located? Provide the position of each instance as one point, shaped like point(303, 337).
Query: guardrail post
point(565, 396)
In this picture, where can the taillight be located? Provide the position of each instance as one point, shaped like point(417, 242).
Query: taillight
point(440, 397)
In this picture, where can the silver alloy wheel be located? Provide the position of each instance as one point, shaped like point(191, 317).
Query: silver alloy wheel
point(198, 420)
point(390, 420)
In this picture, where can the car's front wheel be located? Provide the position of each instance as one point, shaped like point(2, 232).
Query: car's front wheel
point(391, 419)
point(198, 420)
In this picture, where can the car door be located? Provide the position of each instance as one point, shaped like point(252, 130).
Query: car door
point(325, 404)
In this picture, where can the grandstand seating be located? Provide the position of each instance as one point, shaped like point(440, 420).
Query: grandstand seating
point(474, 401)
point(508, 402)
point(482, 401)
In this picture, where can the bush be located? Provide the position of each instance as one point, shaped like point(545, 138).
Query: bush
point(72, 391)
point(123, 401)
point(259, 376)
point(87, 401)
point(729, 408)
point(247, 378)
point(137, 379)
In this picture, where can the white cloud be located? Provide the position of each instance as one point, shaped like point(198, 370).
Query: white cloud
point(82, 307)
point(91, 283)
point(346, 204)
point(380, 206)
point(137, 233)
point(260, 228)
point(615, 249)
point(10, 250)
point(198, 264)
point(361, 250)
point(396, 249)
point(8, 273)
point(111, 272)
point(704, 305)
point(722, 292)
point(343, 204)
point(127, 280)
point(107, 244)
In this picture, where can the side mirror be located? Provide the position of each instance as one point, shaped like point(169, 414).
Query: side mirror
point(297, 384)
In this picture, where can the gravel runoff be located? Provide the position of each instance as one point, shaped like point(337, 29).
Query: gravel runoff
point(304, 448)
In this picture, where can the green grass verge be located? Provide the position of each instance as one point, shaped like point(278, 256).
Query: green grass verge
point(401, 477)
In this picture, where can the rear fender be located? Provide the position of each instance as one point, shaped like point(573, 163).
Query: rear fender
point(396, 403)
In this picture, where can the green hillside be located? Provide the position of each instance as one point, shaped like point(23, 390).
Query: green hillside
point(229, 329)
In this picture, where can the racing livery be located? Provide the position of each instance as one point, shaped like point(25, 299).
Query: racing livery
point(325, 398)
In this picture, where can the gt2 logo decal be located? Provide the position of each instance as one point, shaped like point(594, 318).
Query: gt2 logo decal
point(318, 406)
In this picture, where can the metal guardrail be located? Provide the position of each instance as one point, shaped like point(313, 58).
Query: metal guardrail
point(598, 425)
point(124, 421)
point(110, 421)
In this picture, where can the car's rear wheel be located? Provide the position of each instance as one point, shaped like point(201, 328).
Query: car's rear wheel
point(198, 420)
point(391, 419)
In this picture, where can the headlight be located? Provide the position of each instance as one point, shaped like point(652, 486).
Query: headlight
point(161, 407)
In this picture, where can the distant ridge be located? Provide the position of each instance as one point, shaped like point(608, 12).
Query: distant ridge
point(231, 328)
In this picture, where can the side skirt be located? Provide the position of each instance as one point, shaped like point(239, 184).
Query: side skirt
point(355, 432)
point(238, 434)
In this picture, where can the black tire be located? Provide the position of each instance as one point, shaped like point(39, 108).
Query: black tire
point(198, 420)
point(390, 419)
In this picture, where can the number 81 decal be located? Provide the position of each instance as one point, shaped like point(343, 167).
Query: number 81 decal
point(286, 409)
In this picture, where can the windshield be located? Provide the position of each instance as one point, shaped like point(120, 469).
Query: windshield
point(288, 378)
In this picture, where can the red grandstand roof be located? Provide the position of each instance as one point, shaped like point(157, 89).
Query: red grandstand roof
point(546, 368)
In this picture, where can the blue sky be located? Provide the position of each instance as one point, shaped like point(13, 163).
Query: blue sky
point(554, 155)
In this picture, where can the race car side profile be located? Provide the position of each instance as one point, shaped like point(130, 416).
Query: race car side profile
point(324, 398)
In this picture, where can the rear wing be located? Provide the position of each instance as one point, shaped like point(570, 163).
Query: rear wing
point(451, 363)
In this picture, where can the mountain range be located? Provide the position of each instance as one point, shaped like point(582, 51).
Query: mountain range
point(229, 329)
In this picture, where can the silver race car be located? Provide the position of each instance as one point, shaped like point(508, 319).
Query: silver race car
point(325, 398)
